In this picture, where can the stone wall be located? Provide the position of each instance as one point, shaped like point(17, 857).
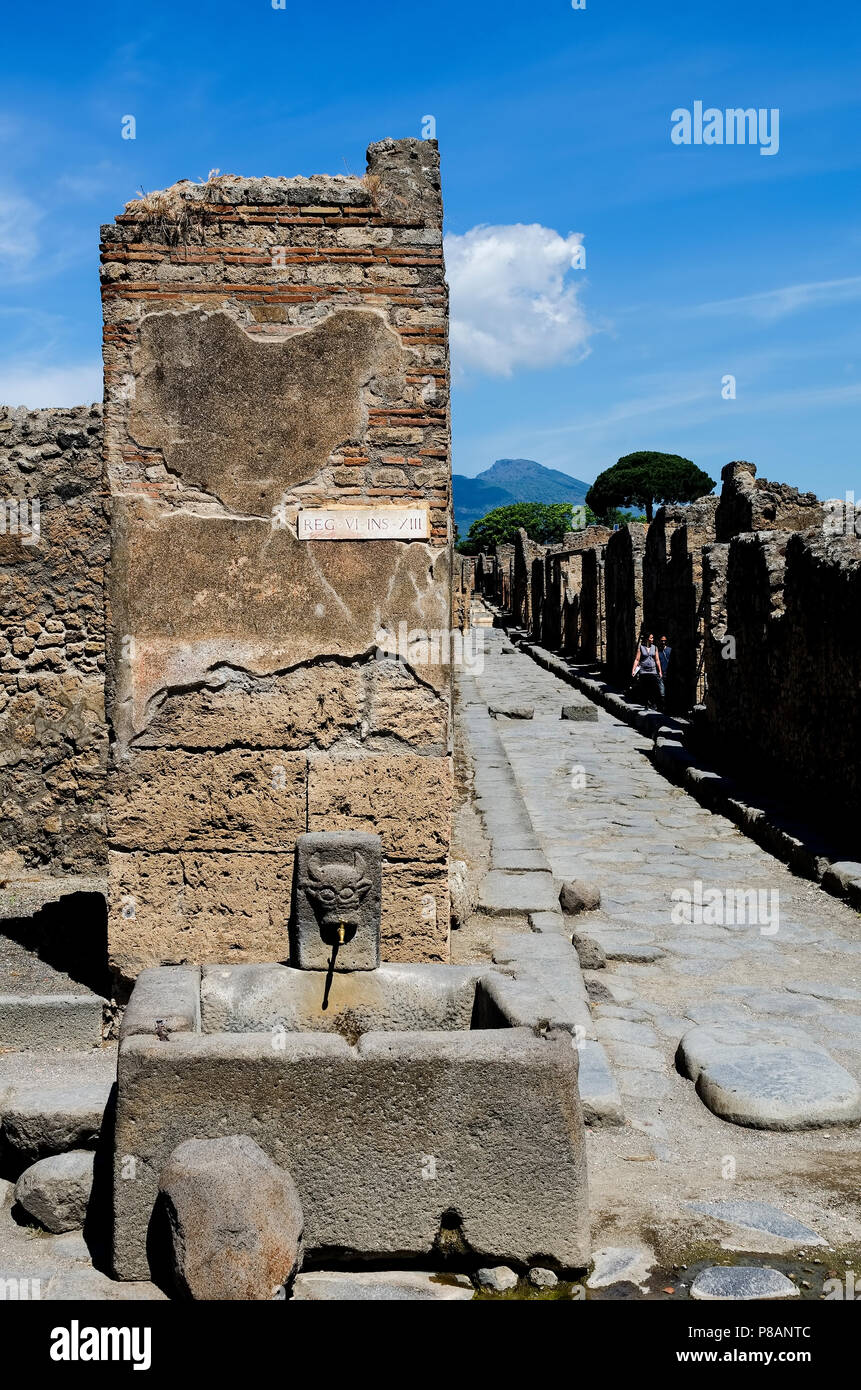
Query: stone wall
point(273, 346)
point(53, 548)
point(462, 587)
point(623, 599)
point(673, 593)
point(783, 668)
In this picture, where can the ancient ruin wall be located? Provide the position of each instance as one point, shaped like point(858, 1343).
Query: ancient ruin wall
point(53, 548)
point(273, 346)
point(673, 592)
point(748, 503)
point(623, 583)
point(784, 669)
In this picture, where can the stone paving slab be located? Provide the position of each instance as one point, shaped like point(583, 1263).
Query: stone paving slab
point(332, 1286)
point(760, 1216)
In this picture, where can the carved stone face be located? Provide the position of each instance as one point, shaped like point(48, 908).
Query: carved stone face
point(336, 889)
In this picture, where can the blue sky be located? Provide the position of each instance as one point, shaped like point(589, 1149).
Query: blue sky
point(554, 127)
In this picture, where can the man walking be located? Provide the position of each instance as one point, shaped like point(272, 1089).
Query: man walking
point(665, 651)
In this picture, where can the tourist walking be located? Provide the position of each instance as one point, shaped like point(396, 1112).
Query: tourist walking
point(665, 651)
point(646, 670)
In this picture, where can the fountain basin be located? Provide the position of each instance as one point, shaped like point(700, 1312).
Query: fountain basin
point(417, 1112)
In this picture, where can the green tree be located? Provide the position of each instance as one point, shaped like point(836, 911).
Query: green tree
point(645, 478)
point(545, 522)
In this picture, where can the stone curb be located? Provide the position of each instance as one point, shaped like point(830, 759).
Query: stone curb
point(509, 830)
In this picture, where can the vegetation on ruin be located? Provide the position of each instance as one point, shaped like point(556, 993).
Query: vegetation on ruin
point(644, 479)
point(545, 522)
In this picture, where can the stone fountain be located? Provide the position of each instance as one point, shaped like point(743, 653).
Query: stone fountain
point(417, 1111)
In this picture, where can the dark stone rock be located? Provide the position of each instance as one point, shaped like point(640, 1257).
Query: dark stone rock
point(576, 895)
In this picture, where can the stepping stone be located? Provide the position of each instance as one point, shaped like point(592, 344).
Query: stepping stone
point(599, 1093)
point(768, 1077)
point(511, 711)
point(583, 714)
point(617, 1264)
point(742, 1281)
point(516, 893)
point(325, 1286)
point(52, 1102)
point(759, 1216)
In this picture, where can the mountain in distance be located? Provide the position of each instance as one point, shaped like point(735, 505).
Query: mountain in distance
point(507, 481)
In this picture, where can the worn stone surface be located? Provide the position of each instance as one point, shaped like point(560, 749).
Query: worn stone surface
point(330, 1286)
point(742, 1282)
point(258, 685)
point(769, 1078)
point(760, 1216)
point(354, 1125)
point(514, 893)
point(56, 1190)
point(269, 998)
point(235, 1220)
point(616, 1264)
point(54, 1101)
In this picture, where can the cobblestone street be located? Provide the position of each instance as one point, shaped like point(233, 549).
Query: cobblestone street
point(776, 999)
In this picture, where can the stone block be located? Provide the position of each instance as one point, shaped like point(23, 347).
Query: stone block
point(416, 916)
point(197, 907)
point(583, 714)
point(163, 799)
point(404, 799)
point(576, 895)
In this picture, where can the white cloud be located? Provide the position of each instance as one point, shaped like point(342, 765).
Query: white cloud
point(775, 304)
point(513, 303)
point(19, 241)
point(36, 386)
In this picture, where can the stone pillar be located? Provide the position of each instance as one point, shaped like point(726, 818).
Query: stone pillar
point(623, 578)
point(276, 368)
